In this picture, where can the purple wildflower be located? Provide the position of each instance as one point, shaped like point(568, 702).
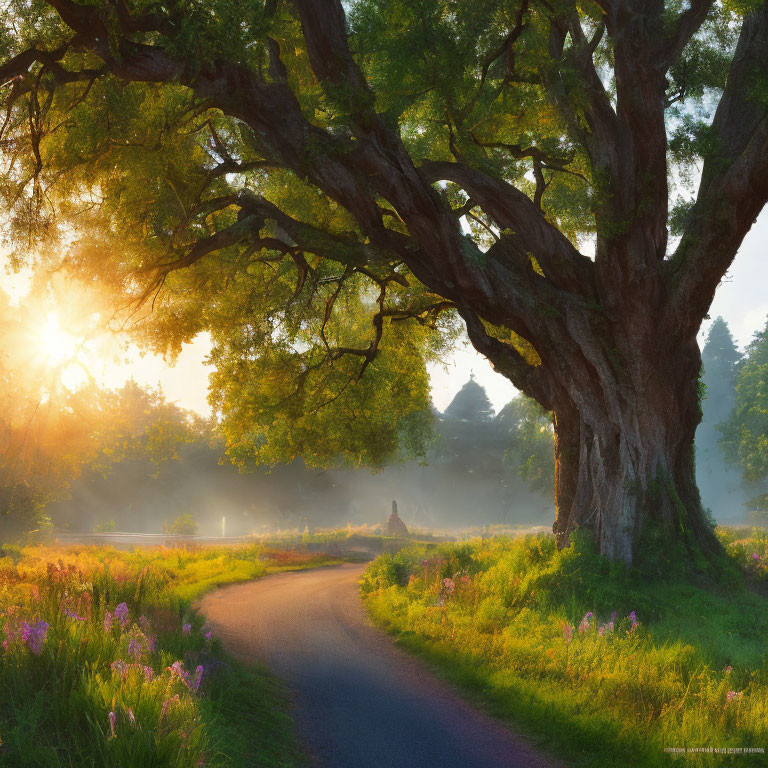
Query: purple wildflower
point(198, 679)
point(112, 722)
point(755, 556)
point(149, 673)
point(73, 615)
point(108, 617)
point(208, 635)
point(633, 619)
point(186, 629)
point(34, 636)
point(567, 633)
point(134, 648)
point(121, 614)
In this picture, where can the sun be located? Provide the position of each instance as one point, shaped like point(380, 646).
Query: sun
point(62, 340)
point(58, 345)
point(61, 350)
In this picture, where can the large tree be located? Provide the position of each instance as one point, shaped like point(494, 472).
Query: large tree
point(322, 184)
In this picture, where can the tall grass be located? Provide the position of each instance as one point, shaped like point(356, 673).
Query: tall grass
point(598, 664)
point(103, 662)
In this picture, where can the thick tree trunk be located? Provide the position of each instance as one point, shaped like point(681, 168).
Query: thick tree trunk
point(625, 454)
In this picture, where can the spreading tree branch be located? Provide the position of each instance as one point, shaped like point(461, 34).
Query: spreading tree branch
point(684, 28)
point(734, 183)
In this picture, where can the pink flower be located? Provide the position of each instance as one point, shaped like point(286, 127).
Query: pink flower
point(731, 695)
point(186, 629)
point(149, 673)
point(728, 669)
point(134, 648)
point(108, 621)
point(177, 670)
point(131, 716)
point(586, 621)
point(755, 556)
point(120, 667)
point(208, 635)
point(567, 633)
point(167, 703)
point(112, 722)
point(633, 619)
point(13, 633)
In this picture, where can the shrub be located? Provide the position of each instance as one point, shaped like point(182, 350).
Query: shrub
point(183, 525)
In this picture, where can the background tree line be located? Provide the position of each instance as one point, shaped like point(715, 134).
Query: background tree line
point(95, 459)
point(480, 468)
point(732, 440)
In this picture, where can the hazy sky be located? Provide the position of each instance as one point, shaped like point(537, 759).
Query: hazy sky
point(742, 299)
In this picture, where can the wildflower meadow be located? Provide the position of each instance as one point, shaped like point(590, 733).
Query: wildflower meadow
point(600, 665)
point(104, 662)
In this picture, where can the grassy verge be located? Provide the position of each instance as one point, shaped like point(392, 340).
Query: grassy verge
point(103, 662)
point(599, 665)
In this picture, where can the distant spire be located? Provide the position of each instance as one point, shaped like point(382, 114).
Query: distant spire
point(471, 403)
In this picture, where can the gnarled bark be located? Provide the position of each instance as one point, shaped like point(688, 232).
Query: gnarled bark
point(624, 454)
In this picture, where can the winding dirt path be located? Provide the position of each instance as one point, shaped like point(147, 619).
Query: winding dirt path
point(360, 701)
